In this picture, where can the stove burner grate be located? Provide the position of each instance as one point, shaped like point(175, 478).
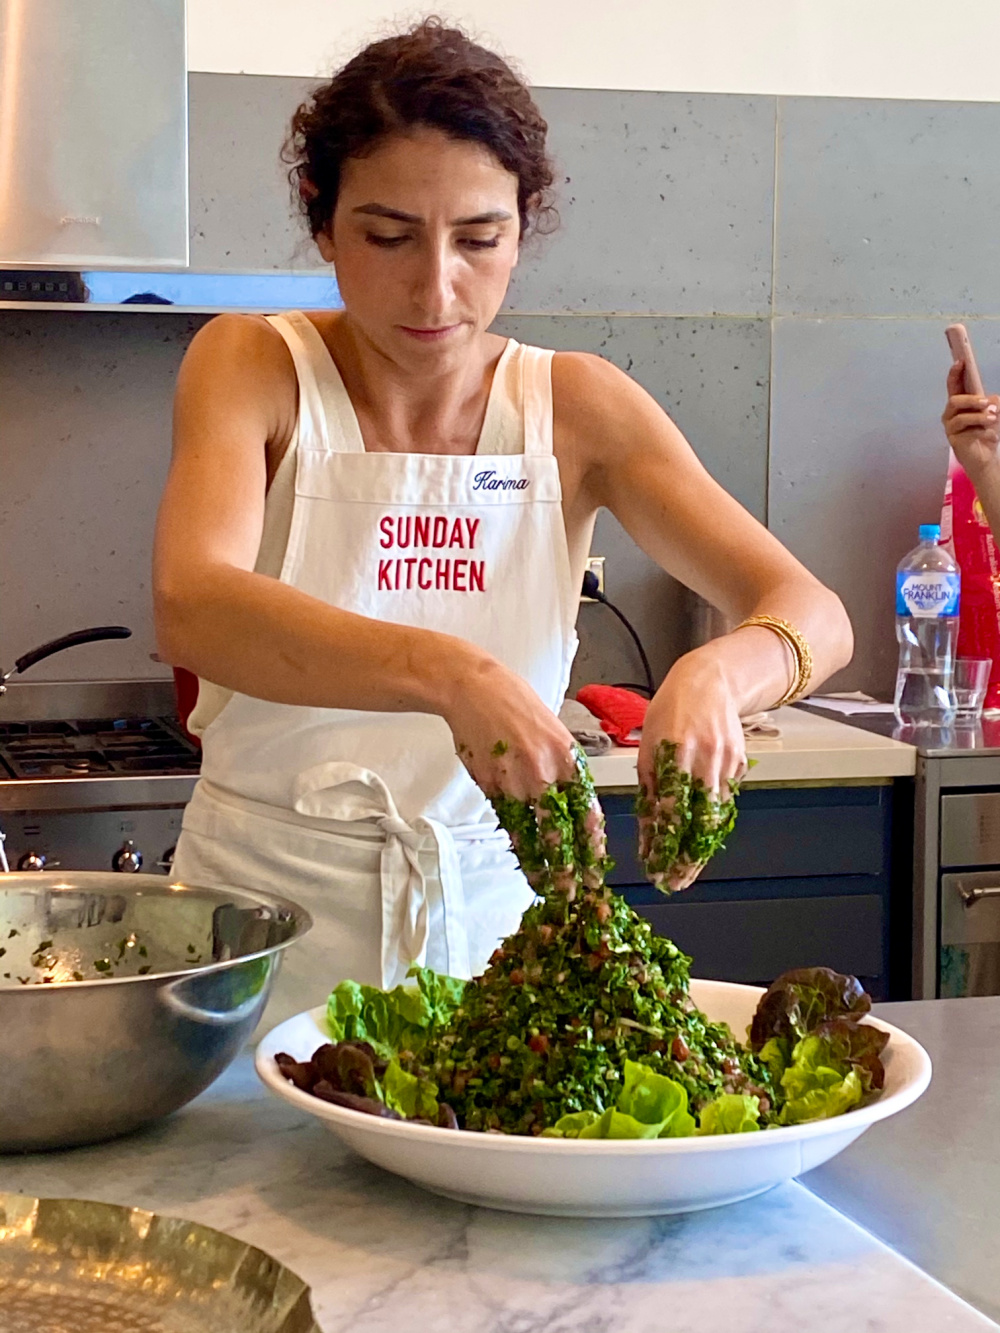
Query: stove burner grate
point(96, 747)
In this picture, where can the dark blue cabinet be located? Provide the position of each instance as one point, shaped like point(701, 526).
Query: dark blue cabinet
point(812, 875)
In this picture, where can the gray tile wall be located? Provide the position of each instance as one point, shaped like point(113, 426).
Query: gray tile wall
point(885, 230)
point(776, 272)
point(84, 449)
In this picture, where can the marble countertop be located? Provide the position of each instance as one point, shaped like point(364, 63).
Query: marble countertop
point(809, 748)
point(382, 1255)
point(928, 1181)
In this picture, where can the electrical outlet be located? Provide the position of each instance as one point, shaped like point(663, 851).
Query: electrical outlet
point(595, 563)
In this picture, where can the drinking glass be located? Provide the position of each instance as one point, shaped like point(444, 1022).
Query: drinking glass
point(969, 681)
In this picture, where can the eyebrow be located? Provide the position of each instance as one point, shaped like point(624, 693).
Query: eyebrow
point(396, 215)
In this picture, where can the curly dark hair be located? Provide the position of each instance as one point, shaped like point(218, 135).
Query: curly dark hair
point(434, 76)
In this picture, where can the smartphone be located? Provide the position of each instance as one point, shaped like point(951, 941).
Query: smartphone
point(961, 350)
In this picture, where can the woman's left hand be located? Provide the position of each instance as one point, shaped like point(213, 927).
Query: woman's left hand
point(695, 708)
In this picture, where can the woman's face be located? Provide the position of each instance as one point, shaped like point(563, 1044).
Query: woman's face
point(424, 237)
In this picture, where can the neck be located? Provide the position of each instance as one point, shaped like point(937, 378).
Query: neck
point(436, 405)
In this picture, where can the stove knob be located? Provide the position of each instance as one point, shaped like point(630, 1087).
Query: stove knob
point(128, 858)
point(32, 861)
point(166, 861)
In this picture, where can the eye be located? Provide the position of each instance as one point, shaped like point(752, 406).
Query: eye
point(481, 245)
point(387, 242)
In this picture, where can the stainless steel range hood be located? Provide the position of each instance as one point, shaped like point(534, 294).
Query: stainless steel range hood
point(93, 134)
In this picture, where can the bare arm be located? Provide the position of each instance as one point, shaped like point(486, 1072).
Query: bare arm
point(970, 422)
point(638, 464)
point(217, 617)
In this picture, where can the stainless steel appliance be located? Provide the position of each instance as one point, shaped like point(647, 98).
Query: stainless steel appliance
point(93, 776)
point(956, 871)
point(956, 855)
point(93, 133)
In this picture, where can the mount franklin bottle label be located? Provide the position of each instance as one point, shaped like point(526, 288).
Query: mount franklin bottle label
point(928, 592)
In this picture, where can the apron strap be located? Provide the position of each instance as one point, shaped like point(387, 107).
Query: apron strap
point(537, 396)
point(349, 793)
point(320, 384)
point(310, 398)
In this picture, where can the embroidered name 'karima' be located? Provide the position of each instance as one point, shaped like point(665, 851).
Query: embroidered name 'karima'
point(489, 481)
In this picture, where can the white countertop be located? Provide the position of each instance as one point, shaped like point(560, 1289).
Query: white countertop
point(808, 748)
point(383, 1256)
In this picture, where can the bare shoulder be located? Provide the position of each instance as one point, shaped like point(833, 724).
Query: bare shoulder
point(589, 394)
point(237, 343)
point(602, 414)
point(239, 366)
point(582, 380)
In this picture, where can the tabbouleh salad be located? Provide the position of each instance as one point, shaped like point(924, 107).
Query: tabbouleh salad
point(582, 1024)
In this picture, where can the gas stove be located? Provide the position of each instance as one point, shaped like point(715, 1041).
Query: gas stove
point(93, 775)
point(116, 746)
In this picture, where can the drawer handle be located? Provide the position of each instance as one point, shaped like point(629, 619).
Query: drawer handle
point(971, 896)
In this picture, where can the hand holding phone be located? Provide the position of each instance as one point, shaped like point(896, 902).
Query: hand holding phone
point(971, 418)
point(961, 350)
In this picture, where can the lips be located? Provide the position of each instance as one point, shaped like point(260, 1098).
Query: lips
point(430, 335)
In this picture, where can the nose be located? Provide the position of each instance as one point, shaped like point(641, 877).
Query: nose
point(434, 282)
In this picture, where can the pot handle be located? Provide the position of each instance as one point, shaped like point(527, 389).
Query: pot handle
point(70, 641)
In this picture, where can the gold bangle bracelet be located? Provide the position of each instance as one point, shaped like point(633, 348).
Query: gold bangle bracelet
point(799, 648)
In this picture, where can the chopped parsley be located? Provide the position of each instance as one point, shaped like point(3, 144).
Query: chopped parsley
point(682, 825)
point(582, 986)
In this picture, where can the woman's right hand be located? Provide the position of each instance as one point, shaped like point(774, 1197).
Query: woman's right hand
point(511, 743)
point(970, 422)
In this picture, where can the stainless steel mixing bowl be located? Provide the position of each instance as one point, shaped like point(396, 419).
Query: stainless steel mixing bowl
point(124, 996)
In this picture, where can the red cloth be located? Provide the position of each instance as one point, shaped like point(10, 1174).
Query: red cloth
point(186, 689)
point(619, 711)
point(975, 547)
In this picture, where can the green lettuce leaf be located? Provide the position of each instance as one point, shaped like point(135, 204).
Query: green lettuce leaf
point(409, 1095)
point(649, 1106)
point(776, 1054)
point(817, 1085)
point(655, 1100)
point(729, 1114)
point(799, 1001)
point(570, 1126)
point(405, 1018)
point(614, 1125)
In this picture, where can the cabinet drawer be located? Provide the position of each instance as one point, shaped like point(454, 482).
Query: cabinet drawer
point(970, 829)
point(754, 941)
point(780, 832)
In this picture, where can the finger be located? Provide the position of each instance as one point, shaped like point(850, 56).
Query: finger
point(683, 876)
point(965, 402)
point(644, 767)
point(688, 756)
point(956, 377)
point(709, 767)
point(733, 769)
point(973, 417)
point(971, 423)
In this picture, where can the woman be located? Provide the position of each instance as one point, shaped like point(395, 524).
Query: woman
point(374, 531)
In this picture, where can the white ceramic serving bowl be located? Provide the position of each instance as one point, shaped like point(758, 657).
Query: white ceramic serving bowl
point(594, 1177)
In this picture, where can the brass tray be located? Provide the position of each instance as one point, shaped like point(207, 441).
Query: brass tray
point(70, 1266)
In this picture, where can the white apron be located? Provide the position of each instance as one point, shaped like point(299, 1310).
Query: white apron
point(369, 820)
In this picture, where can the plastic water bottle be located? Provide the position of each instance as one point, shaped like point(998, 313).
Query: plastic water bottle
point(928, 585)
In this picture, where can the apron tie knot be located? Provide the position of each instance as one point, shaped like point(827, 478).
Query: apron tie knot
point(419, 862)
